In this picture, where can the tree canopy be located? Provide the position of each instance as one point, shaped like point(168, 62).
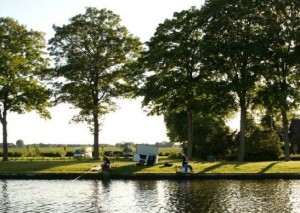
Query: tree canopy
point(21, 64)
point(90, 53)
point(225, 57)
point(172, 62)
point(279, 92)
point(233, 44)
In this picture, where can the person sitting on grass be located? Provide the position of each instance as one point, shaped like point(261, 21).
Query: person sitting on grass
point(106, 164)
point(185, 163)
point(141, 162)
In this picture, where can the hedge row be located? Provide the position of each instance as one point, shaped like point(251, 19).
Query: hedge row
point(42, 154)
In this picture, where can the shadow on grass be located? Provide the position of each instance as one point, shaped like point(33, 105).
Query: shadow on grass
point(128, 169)
point(264, 170)
point(239, 163)
point(221, 164)
point(210, 168)
point(126, 166)
point(131, 167)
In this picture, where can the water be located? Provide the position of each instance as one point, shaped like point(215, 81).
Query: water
point(150, 196)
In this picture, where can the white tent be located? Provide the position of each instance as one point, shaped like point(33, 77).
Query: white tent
point(149, 153)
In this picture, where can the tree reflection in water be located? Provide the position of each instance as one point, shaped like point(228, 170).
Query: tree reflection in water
point(4, 201)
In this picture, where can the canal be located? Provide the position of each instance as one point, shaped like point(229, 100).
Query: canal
point(150, 196)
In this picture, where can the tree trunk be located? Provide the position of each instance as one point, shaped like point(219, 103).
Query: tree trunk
point(96, 137)
point(241, 151)
point(286, 136)
point(4, 134)
point(190, 135)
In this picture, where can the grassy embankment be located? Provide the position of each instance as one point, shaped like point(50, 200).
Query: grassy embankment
point(128, 166)
point(23, 165)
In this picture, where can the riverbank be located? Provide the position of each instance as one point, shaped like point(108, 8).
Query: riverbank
point(149, 176)
point(127, 169)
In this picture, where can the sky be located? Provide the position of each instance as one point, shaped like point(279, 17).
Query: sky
point(129, 123)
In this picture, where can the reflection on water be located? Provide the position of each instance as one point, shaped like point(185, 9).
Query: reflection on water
point(150, 196)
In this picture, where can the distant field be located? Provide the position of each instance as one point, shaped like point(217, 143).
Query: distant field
point(105, 148)
point(66, 152)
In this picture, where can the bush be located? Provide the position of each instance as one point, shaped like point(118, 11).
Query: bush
point(174, 155)
point(69, 154)
point(51, 154)
point(219, 144)
point(12, 154)
point(163, 153)
point(15, 154)
point(263, 145)
point(118, 153)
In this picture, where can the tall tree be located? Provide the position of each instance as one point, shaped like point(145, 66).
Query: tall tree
point(280, 92)
point(90, 53)
point(232, 44)
point(21, 63)
point(172, 65)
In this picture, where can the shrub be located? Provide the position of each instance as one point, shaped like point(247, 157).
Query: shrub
point(15, 154)
point(20, 143)
point(69, 154)
point(51, 154)
point(263, 145)
point(219, 144)
point(164, 153)
point(174, 155)
point(118, 153)
point(12, 154)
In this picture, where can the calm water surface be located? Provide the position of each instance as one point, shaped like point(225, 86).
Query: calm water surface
point(149, 196)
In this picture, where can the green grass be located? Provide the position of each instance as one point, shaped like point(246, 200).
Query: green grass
point(128, 166)
point(21, 167)
point(248, 167)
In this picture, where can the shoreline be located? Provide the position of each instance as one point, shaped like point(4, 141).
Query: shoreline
point(151, 176)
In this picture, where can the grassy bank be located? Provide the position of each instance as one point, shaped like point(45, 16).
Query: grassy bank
point(128, 166)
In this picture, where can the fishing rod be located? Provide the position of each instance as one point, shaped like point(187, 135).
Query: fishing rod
point(95, 168)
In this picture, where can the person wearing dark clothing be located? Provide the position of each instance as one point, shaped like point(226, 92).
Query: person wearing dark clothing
point(185, 163)
point(106, 164)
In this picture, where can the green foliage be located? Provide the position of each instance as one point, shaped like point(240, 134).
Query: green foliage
point(169, 151)
point(282, 37)
point(176, 126)
point(280, 93)
point(263, 145)
point(69, 154)
point(36, 151)
point(253, 48)
point(174, 155)
point(233, 44)
point(21, 63)
point(128, 149)
point(90, 53)
point(124, 144)
point(173, 57)
point(12, 154)
point(175, 79)
point(53, 154)
point(20, 143)
point(164, 144)
point(211, 136)
point(220, 143)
